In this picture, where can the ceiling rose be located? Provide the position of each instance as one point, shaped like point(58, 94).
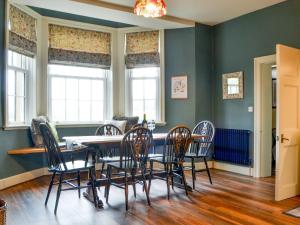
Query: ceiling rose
point(150, 8)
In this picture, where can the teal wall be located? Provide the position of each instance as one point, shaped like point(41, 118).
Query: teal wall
point(204, 59)
point(180, 59)
point(237, 43)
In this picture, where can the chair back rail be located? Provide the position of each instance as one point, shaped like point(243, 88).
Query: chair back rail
point(54, 155)
point(176, 144)
point(201, 146)
point(135, 147)
point(108, 130)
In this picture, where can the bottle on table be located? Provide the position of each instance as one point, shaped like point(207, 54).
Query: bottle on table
point(144, 122)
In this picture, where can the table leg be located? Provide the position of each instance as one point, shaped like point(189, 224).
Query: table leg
point(88, 194)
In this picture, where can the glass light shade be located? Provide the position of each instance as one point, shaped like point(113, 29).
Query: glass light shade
point(150, 8)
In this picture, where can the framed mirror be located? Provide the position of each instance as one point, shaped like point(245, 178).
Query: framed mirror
point(233, 85)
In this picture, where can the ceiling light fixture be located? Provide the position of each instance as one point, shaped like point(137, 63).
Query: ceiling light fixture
point(150, 8)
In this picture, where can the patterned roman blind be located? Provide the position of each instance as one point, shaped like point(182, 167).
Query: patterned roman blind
point(142, 49)
point(73, 46)
point(22, 32)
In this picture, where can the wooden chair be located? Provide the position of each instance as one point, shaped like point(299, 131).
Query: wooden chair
point(176, 144)
point(109, 153)
point(132, 164)
point(58, 166)
point(200, 148)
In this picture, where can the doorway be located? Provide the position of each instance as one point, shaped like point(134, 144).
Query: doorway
point(264, 116)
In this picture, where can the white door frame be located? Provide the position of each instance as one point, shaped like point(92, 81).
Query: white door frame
point(258, 62)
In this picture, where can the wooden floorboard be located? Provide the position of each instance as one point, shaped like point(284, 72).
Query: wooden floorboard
point(232, 199)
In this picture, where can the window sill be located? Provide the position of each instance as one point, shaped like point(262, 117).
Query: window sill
point(79, 125)
point(21, 127)
point(161, 124)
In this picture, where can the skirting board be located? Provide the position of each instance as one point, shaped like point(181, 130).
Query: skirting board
point(30, 175)
point(22, 177)
point(233, 168)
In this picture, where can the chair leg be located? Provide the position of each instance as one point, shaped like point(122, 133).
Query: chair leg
point(146, 188)
point(102, 169)
point(78, 183)
point(93, 178)
point(167, 180)
point(193, 172)
point(172, 177)
point(50, 187)
point(107, 188)
point(150, 175)
point(58, 192)
point(184, 180)
point(126, 191)
point(133, 183)
point(207, 170)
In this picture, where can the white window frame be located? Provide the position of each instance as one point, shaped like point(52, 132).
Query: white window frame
point(30, 76)
point(105, 102)
point(109, 85)
point(125, 104)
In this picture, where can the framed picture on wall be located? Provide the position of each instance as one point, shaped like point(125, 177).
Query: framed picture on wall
point(179, 87)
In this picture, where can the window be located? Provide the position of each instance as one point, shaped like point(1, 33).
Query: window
point(77, 94)
point(19, 72)
point(144, 66)
point(144, 86)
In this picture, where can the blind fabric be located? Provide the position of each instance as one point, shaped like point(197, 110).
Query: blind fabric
point(73, 46)
point(142, 49)
point(22, 32)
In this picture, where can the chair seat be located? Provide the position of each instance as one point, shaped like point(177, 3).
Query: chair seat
point(151, 156)
point(167, 159)
point(193, 155)
point(109, 159)
point(124, 166)
point(73, 166)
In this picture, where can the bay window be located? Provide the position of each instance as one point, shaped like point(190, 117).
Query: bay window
point(79, 72)
point(20, 68)
point(143, 69)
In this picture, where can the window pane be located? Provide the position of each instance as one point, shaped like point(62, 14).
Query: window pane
point(84, 110)
point(11, 109)
point(17, 62)
point(20, 84)
point(72, 89)
point(58, 110)
point(72, 110)
point(9, 56)
point(150, 109)
point(138, 108)
point(58, 88)
point(97, 90)
point(77, 71)
point(150, 89)
point(20, 109)
point(145, 72)
point(97, 111)
point(137, 89)
point(11, 89)
point(84, 89)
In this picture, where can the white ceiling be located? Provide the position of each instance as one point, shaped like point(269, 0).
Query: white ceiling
point(204, 11)
point(209, 11)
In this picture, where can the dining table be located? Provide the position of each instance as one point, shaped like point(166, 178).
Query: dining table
point(92, 142)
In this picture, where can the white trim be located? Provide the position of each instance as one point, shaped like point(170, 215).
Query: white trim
point(22, 177)
point(30, 175)
point(248, 171)
point(257, 110)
